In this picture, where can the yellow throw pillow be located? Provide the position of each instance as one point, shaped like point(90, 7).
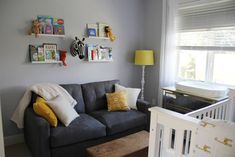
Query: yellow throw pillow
point(41, 108)
point(117, 101)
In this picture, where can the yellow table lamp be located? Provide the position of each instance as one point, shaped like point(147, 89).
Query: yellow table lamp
point(144, 57)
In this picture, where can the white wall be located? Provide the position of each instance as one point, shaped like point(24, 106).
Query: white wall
point(16, 73)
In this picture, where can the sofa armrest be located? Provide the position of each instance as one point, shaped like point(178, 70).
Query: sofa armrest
point(143, 106)
point(37, 134)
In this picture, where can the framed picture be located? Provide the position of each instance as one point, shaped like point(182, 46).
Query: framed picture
point(50, 51)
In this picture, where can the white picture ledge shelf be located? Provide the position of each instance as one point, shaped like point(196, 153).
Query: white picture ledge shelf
point(50, 35)
point(46, 62)
point(102, 38)
point(99, 61)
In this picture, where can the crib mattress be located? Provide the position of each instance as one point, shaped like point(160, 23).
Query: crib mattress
point(202, 89)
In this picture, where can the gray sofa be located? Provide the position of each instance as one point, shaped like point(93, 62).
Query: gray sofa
point(94, 126)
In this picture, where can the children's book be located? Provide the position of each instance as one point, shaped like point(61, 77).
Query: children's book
point(41, 56)
point(92, 29)
point(46, 24)
point(33, 53)
point(50, 52)
point(58, 26)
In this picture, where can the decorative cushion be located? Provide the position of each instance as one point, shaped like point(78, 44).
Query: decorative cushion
point(119, 121)
point(132, 94)
point(94, 94)
point(117, 101)
point(41, 108)
point(64, 111)
point(83, 128)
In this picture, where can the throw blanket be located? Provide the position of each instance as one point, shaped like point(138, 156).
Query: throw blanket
point(215, 138)
point(46, 90)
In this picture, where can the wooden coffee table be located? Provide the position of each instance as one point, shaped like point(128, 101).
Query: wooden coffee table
point(134, 145)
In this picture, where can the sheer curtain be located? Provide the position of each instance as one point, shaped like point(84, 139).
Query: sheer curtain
point(168, 46)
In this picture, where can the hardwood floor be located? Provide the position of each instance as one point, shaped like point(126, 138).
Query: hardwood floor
point(17, 150)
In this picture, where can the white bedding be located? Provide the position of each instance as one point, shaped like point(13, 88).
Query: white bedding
point(202, 89)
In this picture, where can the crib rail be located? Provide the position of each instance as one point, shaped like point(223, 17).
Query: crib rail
point(173, 134)
point(218, 110)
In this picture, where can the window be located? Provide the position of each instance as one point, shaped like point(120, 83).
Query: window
point(207, 55)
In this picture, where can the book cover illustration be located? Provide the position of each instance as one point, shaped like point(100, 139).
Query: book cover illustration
point(58, 26)
point(46, 24)
point(41, 56)
point(50, 52)
point(92, 29)
point(101, 28)
point(33, 53)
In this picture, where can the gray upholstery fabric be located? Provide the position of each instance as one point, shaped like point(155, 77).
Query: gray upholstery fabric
point(94, 94)
point(75, 91)
point(46, 141)
point(120, 121)
point(82, 128)
point(36, 134)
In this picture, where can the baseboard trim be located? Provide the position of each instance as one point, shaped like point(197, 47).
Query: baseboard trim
point(14, 139)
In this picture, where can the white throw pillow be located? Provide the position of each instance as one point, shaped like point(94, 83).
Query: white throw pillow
point(63, 110)
point(132, 94)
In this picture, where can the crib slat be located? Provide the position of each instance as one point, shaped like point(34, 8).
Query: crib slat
point(179, 134)
point(166, 139)
point(223, 113)
point(215, 114)
point(187, 142)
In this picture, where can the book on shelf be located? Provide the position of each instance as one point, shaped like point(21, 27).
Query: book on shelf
point(98, 53)
point(58, 26)
point(101, 29)
point(50, 25)
point(92, 29)
point(50, 52)
point(33, 53)
point(41, 56)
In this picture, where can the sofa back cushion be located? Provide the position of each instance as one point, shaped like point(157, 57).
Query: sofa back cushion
point(75, 91)
point(94, 94)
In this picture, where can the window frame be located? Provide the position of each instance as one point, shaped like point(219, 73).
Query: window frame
point(210, 50)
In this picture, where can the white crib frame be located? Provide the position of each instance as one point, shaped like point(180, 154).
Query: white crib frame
point(185, 126)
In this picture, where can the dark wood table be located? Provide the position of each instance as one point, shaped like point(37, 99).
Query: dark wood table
point(134, 145)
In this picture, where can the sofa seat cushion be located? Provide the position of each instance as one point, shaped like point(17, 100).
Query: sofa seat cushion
point(81, 129)
point(120, 121)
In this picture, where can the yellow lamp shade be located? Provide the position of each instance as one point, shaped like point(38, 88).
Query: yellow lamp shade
point(144, 57)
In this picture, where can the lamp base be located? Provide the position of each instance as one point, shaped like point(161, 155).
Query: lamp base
point(142, 83)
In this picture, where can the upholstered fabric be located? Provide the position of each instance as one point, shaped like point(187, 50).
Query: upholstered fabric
point(117, 101)
point(120, 121)
point(94, 94)
point(82, 128)
point(64, 111)
point(84, 131)
point(75, 91)
point(132, 94)
point(37, 134)
point(42, 109)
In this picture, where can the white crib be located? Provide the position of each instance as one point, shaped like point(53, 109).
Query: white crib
point(174, 135)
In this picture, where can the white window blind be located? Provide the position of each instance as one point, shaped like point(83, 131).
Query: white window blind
point(206, 43)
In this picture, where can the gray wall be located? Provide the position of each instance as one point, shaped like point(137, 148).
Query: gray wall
point(152, 40)
point(16, 73)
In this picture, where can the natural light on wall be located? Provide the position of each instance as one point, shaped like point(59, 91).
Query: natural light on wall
point(206, 48)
